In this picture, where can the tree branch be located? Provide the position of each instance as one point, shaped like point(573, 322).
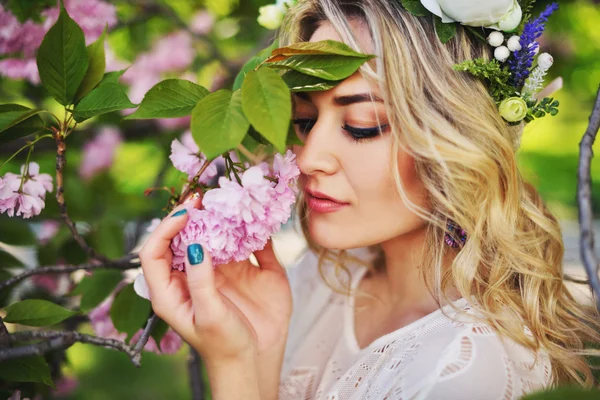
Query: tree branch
point(195, 373)
point(123, 263)
point(139, 346)
point(61, 160)
point(584, 199)
point(54, 340)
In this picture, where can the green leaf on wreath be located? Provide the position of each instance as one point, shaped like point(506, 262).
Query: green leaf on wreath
point(96, 67)
point(415, 7)
point(17, 121)
point(330, 67)
point(107, 97)
point(218, 123)
point(35, 312)
point(26, 369)
point(62, 58)
point(268, 106)
point(445, 32)
point(170, 98)
point(129, 312)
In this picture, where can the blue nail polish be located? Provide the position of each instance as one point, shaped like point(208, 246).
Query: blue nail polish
point(195, 254)
point(180, 212)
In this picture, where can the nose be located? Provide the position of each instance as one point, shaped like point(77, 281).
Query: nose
point(319, 155)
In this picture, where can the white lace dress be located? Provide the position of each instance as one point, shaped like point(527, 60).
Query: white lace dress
point(435, 357)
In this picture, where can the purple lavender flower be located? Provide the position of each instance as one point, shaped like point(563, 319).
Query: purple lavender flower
point(522, 60)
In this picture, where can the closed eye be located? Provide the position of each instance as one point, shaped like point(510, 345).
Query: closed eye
point(306, 124)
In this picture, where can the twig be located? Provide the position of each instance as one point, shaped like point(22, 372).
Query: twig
point(188, 189)
point(61, 160)
point(139, 346)
point(4, 335)
point(195, 372)
point(123, 263)
point(54, 340)
point(584, 199)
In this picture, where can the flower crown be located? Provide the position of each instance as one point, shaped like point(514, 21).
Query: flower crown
point(514, 77)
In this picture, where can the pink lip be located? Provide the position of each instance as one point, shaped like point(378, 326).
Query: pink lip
point(321, 203)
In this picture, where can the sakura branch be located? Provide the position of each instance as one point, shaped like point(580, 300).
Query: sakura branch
point(584, 199)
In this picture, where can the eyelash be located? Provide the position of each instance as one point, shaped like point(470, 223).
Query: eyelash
point(356, 134)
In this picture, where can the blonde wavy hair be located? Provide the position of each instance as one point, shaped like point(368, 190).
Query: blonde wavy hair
point(465, 155)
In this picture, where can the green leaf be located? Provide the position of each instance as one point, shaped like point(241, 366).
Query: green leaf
point(170, 98)
point(292, 137)
point(62, 58)
point(35, 312)
point(322, 47)
point(26, 369)
point(415, 7)
point(108, 238)
point(17, 121)
point(95, 288)
point(105, 98)
point(96, 67)
point(571, 393)
point(129, 311)
point(159, 331)
point(112, 77)
point(267, 104)
point(252, 64)
point(299, 82)
point(445, 32)
point(326, 67)
point(218, 122)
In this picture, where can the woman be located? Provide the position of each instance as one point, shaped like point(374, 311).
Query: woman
point(451, 287)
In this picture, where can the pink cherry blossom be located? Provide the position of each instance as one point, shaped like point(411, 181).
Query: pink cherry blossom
point(65, 386)
point(46, 231)
point(23, 195)
point(9, 32)
point(170, 343)
point(186, 157)
point(16, 68)
point(99, 153)
point(238, 219)
point(202, 22)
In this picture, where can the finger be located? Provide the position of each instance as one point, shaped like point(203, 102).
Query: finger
point(156, 254)
point(206, 299)
point(266, 258)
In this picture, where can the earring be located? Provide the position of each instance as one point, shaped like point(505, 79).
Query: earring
point(452, 231)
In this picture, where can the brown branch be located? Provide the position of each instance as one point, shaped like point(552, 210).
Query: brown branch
point(53, 340)
point(188, 189)
point(584, 199)
point(195, 373)
point(123, 263)
point(61, 160)
point(139, 346)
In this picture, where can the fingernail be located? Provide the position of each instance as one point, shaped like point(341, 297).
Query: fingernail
point(195, 254)
point(180, 212)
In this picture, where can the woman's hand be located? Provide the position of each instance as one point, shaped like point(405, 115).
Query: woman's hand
point(225, 313)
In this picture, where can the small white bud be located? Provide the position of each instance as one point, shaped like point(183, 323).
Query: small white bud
point(495, 38)
point(501, 53)
point(513, 43)
point(545, 61)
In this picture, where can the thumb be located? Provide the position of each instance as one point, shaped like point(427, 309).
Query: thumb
point(206, 300)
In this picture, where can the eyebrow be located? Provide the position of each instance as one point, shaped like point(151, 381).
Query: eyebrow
point(347, 99)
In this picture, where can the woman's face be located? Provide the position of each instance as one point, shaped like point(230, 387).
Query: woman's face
point(346, 163)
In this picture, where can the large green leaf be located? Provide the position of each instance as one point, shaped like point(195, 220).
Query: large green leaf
point(170, 98)
point(96, 67)
point(299, 82)
point(326, 67)
point(26, 369)
point(322, 47)
point(17, 121)
point(95, 288)
point(129, 311)
point(415, 7)
point(252, 64)
point(112, 77)
point(218, 122)
point(571, 393)
point(105, 98)
point(445, 32)
point(35, 312)
point(109, 238)
point(267, 104)
point(62, 58)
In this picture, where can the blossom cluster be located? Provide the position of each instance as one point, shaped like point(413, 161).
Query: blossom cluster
point(24, 195)
point(239, 217)
point(104, 327)
point(186, 157)
point(21, 41)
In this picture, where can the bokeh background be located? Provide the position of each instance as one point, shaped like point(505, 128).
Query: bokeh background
point(111, 162)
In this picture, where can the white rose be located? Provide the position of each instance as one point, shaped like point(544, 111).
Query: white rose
point(476, 12)
point(545, 61)
point(271, 16)
point(512, 19)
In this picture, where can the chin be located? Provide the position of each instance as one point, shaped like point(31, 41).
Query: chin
point(331, 236)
